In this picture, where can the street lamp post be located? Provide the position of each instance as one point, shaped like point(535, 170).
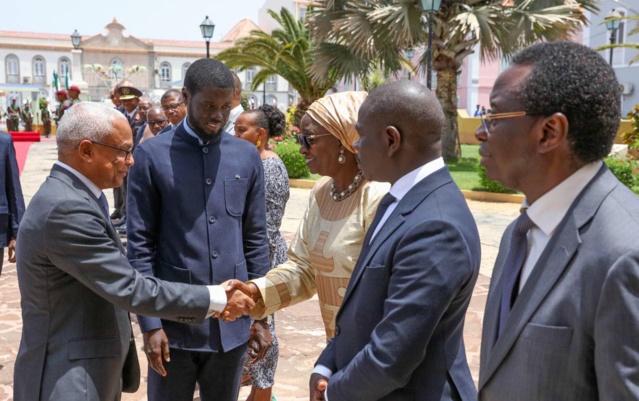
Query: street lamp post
point(612, 24)
point(430, 7)
point(75, 39)
point(207, 27)
point(410, 53)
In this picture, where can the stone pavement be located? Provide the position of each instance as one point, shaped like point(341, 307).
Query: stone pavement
point(299, 328)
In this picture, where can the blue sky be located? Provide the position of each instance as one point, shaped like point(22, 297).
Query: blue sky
point(155, 19)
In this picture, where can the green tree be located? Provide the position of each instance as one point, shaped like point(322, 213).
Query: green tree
point(355, 35)
point(287, 52)
point(634, 31)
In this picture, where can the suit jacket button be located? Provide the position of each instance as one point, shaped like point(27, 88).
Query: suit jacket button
point(208, 181)
point(214, 255)
point(205, 150)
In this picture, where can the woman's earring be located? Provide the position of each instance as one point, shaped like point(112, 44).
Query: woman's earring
point(341, 159)
point(259, 143)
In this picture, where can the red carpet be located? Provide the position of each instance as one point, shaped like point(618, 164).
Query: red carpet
point(22, 150)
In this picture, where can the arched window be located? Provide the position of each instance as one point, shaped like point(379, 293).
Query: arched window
point(271, 83)
point(165, 72)
point(64, 67)
point(117, 69)
point(39, 70)
point(250, 74)
point(185, 67)
point(12, 68)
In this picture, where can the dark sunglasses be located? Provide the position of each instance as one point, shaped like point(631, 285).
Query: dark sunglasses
point(305, 140)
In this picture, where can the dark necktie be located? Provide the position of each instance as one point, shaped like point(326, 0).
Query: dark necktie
point(102, 200)
point(512, 268)
point(386, 201)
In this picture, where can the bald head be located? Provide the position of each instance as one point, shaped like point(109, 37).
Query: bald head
point(410, 107)
point(400, 126)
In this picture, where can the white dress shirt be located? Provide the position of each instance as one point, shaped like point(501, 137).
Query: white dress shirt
point(399, 189)
point(549, 210)
point(230, 124)
point(217, 294)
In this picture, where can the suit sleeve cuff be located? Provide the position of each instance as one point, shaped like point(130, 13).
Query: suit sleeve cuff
point(217, 299)
point(322, 370)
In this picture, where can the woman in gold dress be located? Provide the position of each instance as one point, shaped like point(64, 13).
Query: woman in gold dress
point(341, 207)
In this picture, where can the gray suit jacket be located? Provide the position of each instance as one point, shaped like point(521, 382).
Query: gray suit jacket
point(572, 334)
point(76, 286)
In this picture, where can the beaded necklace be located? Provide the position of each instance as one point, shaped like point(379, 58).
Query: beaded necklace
point(340, 196)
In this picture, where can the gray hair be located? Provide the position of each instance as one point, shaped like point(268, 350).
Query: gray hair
point(85, 120)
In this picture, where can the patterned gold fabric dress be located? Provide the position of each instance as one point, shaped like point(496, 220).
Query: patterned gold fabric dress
point(323, 253)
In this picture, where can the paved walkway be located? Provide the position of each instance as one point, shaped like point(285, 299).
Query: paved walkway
point(299, 328)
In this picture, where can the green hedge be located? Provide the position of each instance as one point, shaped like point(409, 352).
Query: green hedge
point(294, 161)
point(624, 169)
point(489, 185)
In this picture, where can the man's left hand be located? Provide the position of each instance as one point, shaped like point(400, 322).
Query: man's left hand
point(317, 386)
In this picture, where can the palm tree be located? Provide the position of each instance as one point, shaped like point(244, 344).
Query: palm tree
point(356, 34)
point(287, 52)
point(634, 46)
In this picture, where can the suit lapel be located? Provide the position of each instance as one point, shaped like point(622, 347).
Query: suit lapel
point(82, 190)
point(409, 202)
point(549, 268)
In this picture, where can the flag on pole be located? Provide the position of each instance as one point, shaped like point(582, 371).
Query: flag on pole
point(55, 81)
point(66, 80)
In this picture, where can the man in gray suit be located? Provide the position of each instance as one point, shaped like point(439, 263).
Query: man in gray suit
point(76, 284)
point(562, 313)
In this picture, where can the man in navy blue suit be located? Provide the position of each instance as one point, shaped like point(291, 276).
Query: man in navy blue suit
point(11, 201)
point(398, 333)
point(196, 214)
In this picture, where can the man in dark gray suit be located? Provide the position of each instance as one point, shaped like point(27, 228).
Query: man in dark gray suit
point(76, 284)
point(562, 313)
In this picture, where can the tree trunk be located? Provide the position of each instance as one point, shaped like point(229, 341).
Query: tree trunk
point(447, 95)
point(302, 106)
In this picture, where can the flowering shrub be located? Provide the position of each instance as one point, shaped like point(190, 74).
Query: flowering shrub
point(631, 138)
point(626, 170)
point(288, 150)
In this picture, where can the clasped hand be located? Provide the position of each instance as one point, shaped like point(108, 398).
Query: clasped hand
point(239, 300)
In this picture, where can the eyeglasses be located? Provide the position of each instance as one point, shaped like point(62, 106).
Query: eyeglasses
point(158, 122)
point(488, 117)
point(128, 153)
point(305, 140)
point(171, 107)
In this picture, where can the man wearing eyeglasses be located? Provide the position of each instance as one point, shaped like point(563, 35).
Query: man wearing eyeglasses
point(561, 318)
point(156, 122)
point(76, 284)
point(174, 108)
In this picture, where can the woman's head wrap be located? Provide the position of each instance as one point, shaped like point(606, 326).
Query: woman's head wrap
point(337, 113)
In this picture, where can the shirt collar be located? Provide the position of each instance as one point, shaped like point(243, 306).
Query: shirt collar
point(97, 192)
point(401, 187)
point(235, 113)
point(190, 131)
point(549, 210)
